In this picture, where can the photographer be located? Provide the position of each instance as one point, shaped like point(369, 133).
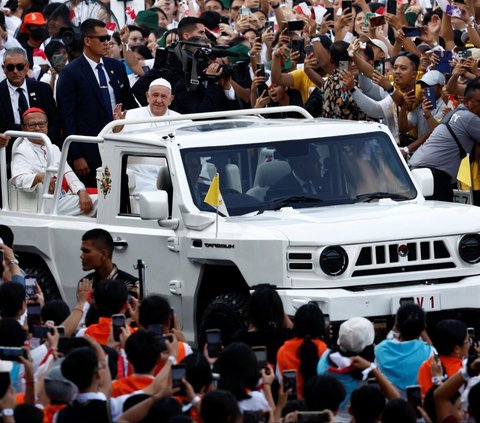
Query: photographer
point(214, 91)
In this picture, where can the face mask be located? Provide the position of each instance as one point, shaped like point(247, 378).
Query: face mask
point(38, 34)
point(57, 60)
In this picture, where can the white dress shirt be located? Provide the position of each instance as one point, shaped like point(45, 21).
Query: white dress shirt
point(93, 65)
point(14, 95)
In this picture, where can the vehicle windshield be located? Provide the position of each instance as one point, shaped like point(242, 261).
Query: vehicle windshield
point(315, 172)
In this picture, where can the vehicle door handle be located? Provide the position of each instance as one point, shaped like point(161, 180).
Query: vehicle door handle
point(120, 243)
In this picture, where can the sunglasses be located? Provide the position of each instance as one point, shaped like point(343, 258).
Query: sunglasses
point(101, 38)
point(18, 66)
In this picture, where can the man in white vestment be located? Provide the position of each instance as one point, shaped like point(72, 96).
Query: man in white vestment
point(29, 161)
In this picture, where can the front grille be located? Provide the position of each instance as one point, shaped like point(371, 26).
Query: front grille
point(300, 261)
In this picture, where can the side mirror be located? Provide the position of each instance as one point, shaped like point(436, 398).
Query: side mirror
point(153, 205)
point(424, 180)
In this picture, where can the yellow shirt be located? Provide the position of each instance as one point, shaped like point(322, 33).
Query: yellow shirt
point(302, 83)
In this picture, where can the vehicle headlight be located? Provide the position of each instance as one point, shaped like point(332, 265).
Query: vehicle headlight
point(469, 248)
point(334, 260)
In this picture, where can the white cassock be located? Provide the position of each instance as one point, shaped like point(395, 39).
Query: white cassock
point(30, 159)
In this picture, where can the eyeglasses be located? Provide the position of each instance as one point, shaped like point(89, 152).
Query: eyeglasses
point(101, 38)
point(33, 125)
point(18, 66)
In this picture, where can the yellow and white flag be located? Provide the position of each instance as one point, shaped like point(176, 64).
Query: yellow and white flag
point(214, 196)
point(464, 174)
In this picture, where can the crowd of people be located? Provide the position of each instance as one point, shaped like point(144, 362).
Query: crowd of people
point(115, 357)
point(411, 65)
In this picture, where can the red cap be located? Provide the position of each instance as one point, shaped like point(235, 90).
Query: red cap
point(35, 18)
point(33, 110)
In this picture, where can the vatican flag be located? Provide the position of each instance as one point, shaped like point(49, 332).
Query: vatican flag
point(214, 196)
point(464, 174)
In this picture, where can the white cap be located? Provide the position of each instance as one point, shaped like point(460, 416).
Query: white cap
point(355, 334)
point(433, 77)
point(376, 42)
point(5, 366)
point(160, 82)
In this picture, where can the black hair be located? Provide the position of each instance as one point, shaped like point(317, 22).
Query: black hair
point(79, 367)
point(143, 51)
point(472, 86)
point(140, 29)
point(54, 47)
point(143, 350)
point(398, 411)
point(210, 18)
point(429, 14)
point(134, 400)
point(27, 413)
point(12, 298)
point(110, 297)
point(87, 28)
point(187, 24)
point(197, 371)
point(237, 366)
point(219, 407)
point(414, 59)
point(474, 402)
point(323, 391)
point(368, 51)
point(158, 10)
point(309, 324)
point(7, 235)
point(11, 333)
point(410, 321)
point(294, 405)
point(218, 1)
point(116, 38)
point(153, 310)
point(449, 334)
point(163, 410)
point(57, 10)
point(100, 237)
point(265, 309)
point(339, 52)
point(367, 404)
point(55, 310)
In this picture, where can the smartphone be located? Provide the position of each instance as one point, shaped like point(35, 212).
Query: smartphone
point(294, 26)
point(346, 4)
point(414, 397)
point(313, 416)
point(156, 329)
point(172, 318)
point(214, 342)
point(471, 334)
point(343, 65)
point(118, 321)
point(429, 94)
point(178, 373)
point(379, 66)
point(245, 11)
point(270, 26)
point(30, 282)
point(290, 382)
point(60, 330)
point(4, 383)
point(377, 21)
point(287, 62)
point(392, 7)
point(328, 14)
point(12, 353)
point(412, 31)
point(380, 328)
point(299, 46)
point(260, 69)
point(261, 355)
point(33, 315)
point(225, 20)
point(445, 57)
point(40, 332)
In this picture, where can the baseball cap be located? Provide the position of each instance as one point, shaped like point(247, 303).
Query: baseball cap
point(355, 334)
point(147, 18)
point(34, 18)
point(5, 366)
point(432, 77)
point(376, 42)
point(57, 387)
point(160, 82)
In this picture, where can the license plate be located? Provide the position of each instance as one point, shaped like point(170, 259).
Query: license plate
point(429, 302)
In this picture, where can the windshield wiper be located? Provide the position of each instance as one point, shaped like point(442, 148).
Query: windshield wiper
point(366, 198)
point(286, 201)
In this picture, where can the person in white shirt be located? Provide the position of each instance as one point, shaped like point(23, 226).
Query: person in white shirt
point(29, 162)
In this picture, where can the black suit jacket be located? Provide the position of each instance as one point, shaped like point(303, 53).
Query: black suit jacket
point(210, 99)
point(39, 95)
point(81, 107)
point(289, 186)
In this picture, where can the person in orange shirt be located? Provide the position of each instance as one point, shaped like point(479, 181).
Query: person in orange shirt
point(111, 298)
point(452, 343)
point(143, 349)
point(303, 351)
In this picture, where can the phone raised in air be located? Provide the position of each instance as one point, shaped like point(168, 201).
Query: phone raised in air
point(261, 356)
point(343, 65)
point(289, 378)
point(12, 353)
point(429, 94)
point(30, 283)
point(412, 31)
point(214, 342)
point(178, 373)
point(414, 397)
point(377, 21)
point(346, 4)
point(118, 321)
point(295, 26)
point(379, 66)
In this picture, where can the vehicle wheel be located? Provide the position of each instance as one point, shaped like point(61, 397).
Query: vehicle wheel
point(46, 281)
point(227, 312)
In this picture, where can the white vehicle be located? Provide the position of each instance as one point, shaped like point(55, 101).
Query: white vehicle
point(362, 241)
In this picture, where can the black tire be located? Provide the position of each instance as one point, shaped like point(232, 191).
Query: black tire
point(46, 281)
point(227, 312)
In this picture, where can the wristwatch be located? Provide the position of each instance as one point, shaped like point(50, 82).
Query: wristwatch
point(13, 261)
point(7, 412)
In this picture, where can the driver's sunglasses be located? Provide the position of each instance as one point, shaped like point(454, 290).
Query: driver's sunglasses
point(11, 67)
point(101, 38)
